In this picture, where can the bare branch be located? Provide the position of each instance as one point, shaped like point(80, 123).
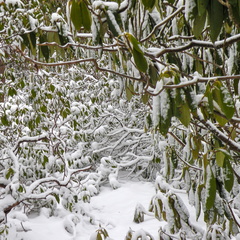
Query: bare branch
point(162, 23)
point(30, 139)
point(197, 43)
point(93, 60)
point(217, 133)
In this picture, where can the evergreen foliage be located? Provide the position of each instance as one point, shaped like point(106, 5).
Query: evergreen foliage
point(91, 88)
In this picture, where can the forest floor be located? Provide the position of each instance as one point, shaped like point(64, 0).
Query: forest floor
point(111, 209)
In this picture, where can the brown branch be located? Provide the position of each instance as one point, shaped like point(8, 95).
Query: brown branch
point(108, 48)
point(177, 139)
point(218, 134)
point(162, 23)
point(188, 164)
point(232, 213)
point(29, 139)
point(8, 209)
point(197, 43)
point(93, 60)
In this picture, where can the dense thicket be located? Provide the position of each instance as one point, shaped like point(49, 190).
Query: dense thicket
point(95, 87)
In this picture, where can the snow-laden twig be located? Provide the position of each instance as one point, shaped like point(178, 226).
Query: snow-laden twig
point(43, 136)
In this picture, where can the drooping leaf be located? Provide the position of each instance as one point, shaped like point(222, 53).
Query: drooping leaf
point(86, 16)
point(208, 94)
point(228, 175)
point(220, 156)
point(112, 23)
point(165, 113)
point(198, 200)
point(215, 13)
point(138, 55)
point(210, 192)
point(44, 49)
point(145, 98)
point(32, 42)
point(140, 60)
point(153, 73)
point(129, 91)
point(182, 110)
point(148, 4)
point(185, 116)
point(198, 24)
point(224, 99)
point(75, 15)
point(202, 6)
point(135, 43)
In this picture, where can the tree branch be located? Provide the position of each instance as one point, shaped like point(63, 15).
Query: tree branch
point(162, 23)
point(217, 133)
point(197, 43)
point(93, 60)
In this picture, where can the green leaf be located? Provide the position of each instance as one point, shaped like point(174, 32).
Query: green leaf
point(38, 119)
point(20, 189)
point(25, 40)
point(44, 49)
point(44, 108)
point(57, 198)
point(215, 13)
point(65, 112)
point(32, 42)
point(198, 24)
point(185, 116)
point(9, 173)
point(52, 88)
point(148, 4)
point(228, 175)
point(129, 91)
point(145, 98)
point(220, 156)
point(75, 15)
point(195, 146)
point(221, 120)
point(86, 16)
point(33, 93)
point(138, 55)
point(202, 6)
point(12, 91)
point(210, 192)
point(153, 73)
point(208, 94)
point(4, 120)
point(45, 160)
point(198, 200)
point(99, 236)
point(111, 24)
point(165, 115)
point(135, 43)
point(182, 110)
point(140, 60)
point(224, 99)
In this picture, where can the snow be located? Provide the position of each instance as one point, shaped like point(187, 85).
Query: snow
point(112, 6)
point(14, 3)
point(112, 209)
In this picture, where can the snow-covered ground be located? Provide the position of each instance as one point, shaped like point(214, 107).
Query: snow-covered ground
point(112, 209)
